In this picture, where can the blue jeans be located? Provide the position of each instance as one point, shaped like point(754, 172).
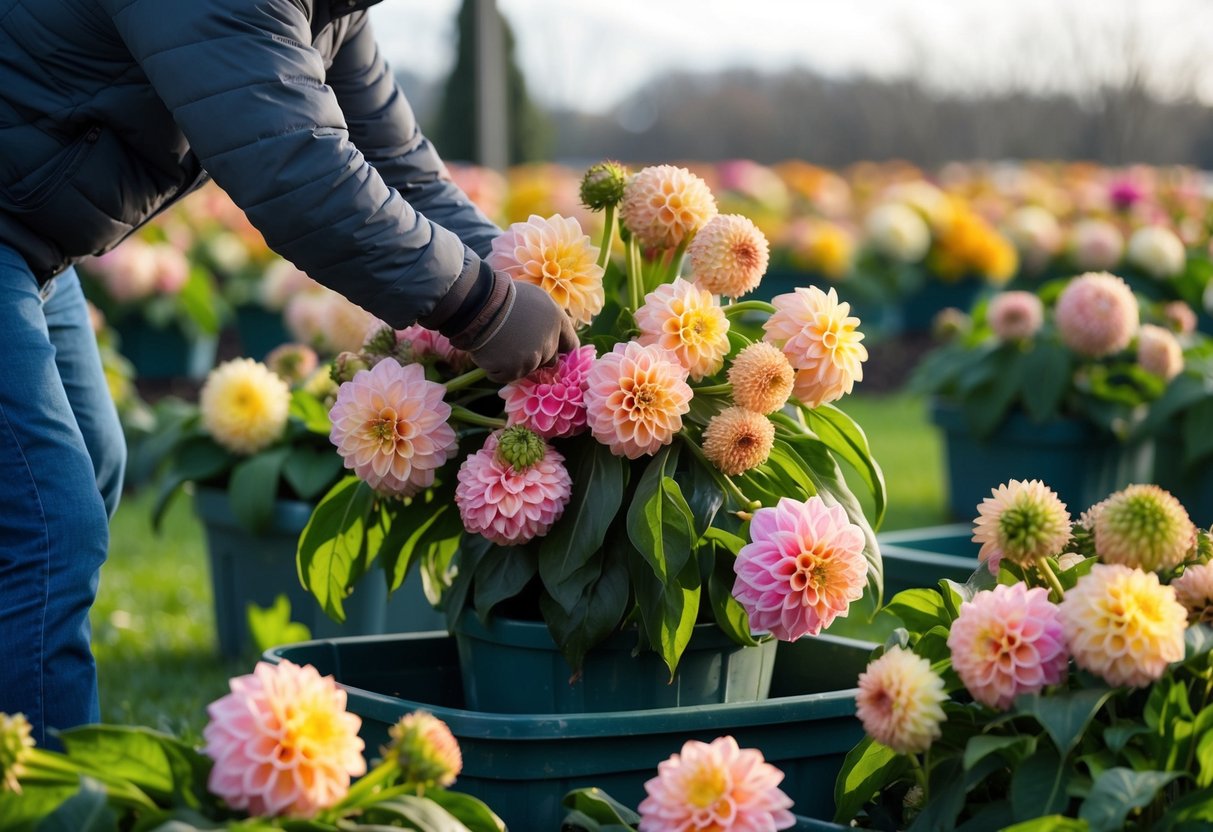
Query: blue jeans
point(62, 455)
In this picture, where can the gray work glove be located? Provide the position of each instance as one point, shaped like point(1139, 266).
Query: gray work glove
point(511, 329)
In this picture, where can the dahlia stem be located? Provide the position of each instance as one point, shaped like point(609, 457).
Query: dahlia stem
point(675, 267)
point(920, 775)
point(714, 389)
point(462, 414)
point(737, 308)
point(466, 380)
point(608, 236)
point(1042, 564)
point(722, 480)
point(368, 786)
point(635, 275)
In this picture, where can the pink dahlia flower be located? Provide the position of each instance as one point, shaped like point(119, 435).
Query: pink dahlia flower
point(1006, 642)
point(1096, 245)
point(900, 701)
point(129, 271)
point(390, 427)
point(1194, 589)
point(715, 787)
point(282, 742)
point(1159, 352)
point(510, 506)
point(551, 400)
point(686, 320)
point(425, 343)
point(558, 257)
point(802, 569)
point(664, 205)
point(822, 341)
point(1097, 315)
point(635, 398)
point(1015, 316)
point(1023, 520)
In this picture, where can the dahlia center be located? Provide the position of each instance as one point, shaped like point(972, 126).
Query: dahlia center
point(810, 572)
point(745, 254)
point(385, 428)
point(1022, 527)
point(697, 328)
point(706, 786)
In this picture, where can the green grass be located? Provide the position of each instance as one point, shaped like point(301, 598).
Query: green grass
point(153, 625)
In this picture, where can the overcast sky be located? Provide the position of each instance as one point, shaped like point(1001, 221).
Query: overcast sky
point(591, 53)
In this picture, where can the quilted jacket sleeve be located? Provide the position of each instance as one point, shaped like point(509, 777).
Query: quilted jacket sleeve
point(383, 127)
point(249, 93)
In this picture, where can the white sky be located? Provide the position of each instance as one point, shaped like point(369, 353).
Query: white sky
point(590, 54)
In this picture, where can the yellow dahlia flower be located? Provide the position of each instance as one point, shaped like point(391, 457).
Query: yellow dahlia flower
point(687, 321)
point(244, 406)
point(900, 701)
point(555, 255)
point(821, 340)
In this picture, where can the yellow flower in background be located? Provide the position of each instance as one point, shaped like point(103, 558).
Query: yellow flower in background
point(824, 247)
point(244, 406)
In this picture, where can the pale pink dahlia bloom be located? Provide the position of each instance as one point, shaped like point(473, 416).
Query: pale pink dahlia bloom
point(1097, 314)
point(802, 569)
point(1096, 245)
point(426, 343)
point(510, 506)
point(715, 787)
point(664, 205)
point(1194, 589)
point(1123, 625)
point(821, 340)
point(686, 320)
point(1179, 317)
point(900, 701)
point(635, 398)
point(128, 272)
point(282, 742)
point(551, 400)
point(1159, 352)
point(390, 427)
point(1006, 642)
point(1022, 520)
point(1015, 316)
point(555, 255)
point(729, 256)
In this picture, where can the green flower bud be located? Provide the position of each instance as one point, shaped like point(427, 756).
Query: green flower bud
point(347, 365)
point(425, 750)
point(16, 740)
point(520, 447)
point(602, 185)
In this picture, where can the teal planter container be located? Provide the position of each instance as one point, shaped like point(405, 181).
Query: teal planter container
point(256, 569)
point(409, 611)
point(1082, 464)
point(920, 307)
point(522, 765)
point(920, 558)
point(811, 825)
point(1191, 485)
point(713, 670)
point(158, 353)
point(260, 330)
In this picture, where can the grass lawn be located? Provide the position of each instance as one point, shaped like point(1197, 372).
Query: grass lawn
point(153, 626)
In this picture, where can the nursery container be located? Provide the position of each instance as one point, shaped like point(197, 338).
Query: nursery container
point(916, 558)
point(714, 669)
point(522, 765)
point(165, 352)
point(1191, 485)
point(919, 307)
point(257, 568)
point(1077, 460)
point(260, 330)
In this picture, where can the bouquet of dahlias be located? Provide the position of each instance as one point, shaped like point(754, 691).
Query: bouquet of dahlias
point(1074, 348)
point(681, 466)
point(1068, 681)
point(280, 752)
point(259, 431)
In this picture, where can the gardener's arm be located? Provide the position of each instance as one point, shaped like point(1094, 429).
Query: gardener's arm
point(383, 127)
point(249, 93)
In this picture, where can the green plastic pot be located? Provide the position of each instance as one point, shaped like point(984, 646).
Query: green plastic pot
point(260, 330)
point(249, 568)
point(1078, 461)
point(810, 825)
point(918, 558)
point(522, 765)
point(714, 669)
point(1191, 485)
point(919, 308)
point(165, 352)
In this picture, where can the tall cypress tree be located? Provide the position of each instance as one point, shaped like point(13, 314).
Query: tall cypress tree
point(455, 131)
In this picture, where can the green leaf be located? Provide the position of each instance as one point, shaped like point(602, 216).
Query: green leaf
point(919, 609)
point(254, 488)
point(272, 626)
point(470, 553)
point(311, 471)
point(22, 812)
point(599, 478)
point(1050, 823)
point(85, 811)
point(468, 810)
point(332, 543)
point(1184, 391)
point(868, 768)
point(1117, 792)
point(703, 494)
point(1118, 736)
point(600, 807)
point(667, 610)
point(659, 522)
point(1038, 784)
point(1011, 749)
point(311, 413)
point(600, 609)
point(420, 814)
point(1198, 644)
point(728, 613)
point(1046, 371)
point(846, 438)
point(501, 575)
point(987, 403)
point(196, 459)
point(198, 301)
point(1204, 759)
point(1065, 715)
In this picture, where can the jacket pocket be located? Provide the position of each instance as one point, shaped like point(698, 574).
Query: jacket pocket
point(61, 170)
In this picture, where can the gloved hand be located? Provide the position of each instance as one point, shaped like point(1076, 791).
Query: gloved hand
point(515, 327)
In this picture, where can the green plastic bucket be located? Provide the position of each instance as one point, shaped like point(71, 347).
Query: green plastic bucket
point(916, 558)
point(165, 352)
point(522, 765)
point(714, 669)
point(1082, 464)
point(260, 330)
point(1192, 485)
point(257, 568)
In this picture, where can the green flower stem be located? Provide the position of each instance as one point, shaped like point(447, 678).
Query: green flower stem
point(466, 380)
point(1042, 564)
point(713, 389)
point(920, 776)
point(675, 265)
point(635, 275)
point(722, 480)
point(735, 309)
point(462, 414)
point(369, 787)
point(608, 234)
point(55, 769)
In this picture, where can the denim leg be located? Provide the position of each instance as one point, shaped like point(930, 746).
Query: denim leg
point(54, 531)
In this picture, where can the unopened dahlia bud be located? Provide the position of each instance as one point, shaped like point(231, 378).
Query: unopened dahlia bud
point(520, 447)
point(346, 366)
point(382, 342)
point(425, 749)
point(602, 185)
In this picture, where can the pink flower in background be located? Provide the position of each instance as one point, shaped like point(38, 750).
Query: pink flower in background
point(1006, 642)
point(1159, 352)
point(425, 749)
point(485, 187)
point(390, 426)
point(281, 282)
point(292, 362)
point(635, 398)
point(664, 205)
point(1125, 193)
point(900, 701)
point(802, 569)
point(1096, 245)
point(1015, 316)
point(715, 787)
point(507, 505)
point(425, 343)
point(688, 321)
point(558, 257)
point(1179, 317)
point(128, 272)
point(172, 269)
point(1097, 314)
point(821, 339)
point(282, 742)
point(1194, 589)
point(551, 400)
